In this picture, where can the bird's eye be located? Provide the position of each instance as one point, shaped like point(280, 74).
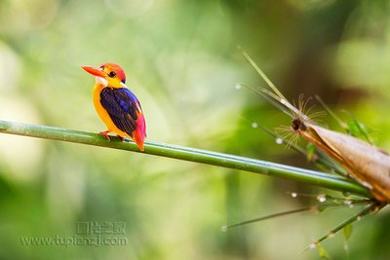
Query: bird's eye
point(112, 74)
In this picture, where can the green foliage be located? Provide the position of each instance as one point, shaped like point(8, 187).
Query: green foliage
point(358, 129)
point(347, 231)
point(322, 252)
point(310, 151)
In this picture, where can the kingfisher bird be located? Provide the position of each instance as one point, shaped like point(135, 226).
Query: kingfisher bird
point(116, 105)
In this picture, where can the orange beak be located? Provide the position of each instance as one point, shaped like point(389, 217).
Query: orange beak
point(94, 71)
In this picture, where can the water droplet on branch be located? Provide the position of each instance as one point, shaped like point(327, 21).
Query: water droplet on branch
point(224, 228)
point(348, 203)
point(321, 198)
point(279, 140)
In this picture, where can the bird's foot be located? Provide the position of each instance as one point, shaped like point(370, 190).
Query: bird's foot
point(121, 138)
point(105, 135)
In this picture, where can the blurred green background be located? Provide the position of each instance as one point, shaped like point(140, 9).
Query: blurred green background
point(182, 61)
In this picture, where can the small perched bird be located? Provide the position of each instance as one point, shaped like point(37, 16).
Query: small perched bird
point(116, 105)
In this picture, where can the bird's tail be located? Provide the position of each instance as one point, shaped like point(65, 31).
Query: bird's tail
point(139, 133)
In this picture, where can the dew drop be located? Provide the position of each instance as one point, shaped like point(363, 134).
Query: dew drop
point(279, 140)
point(321, 198)
point(254, 125)
point(224, 228)
point(294, 194)
point(348, 203)
point(331, 235)
point(358, 218)
point(312, 246)
point(238, 86)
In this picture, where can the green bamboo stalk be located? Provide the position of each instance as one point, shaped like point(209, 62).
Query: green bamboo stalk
point(188, 154)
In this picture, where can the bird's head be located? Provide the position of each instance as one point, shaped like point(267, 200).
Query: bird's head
point(108, 74)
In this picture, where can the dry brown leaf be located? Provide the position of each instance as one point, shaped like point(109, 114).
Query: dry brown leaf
point(367, 164)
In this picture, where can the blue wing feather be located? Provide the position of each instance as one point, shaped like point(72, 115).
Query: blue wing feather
point(122, 106)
